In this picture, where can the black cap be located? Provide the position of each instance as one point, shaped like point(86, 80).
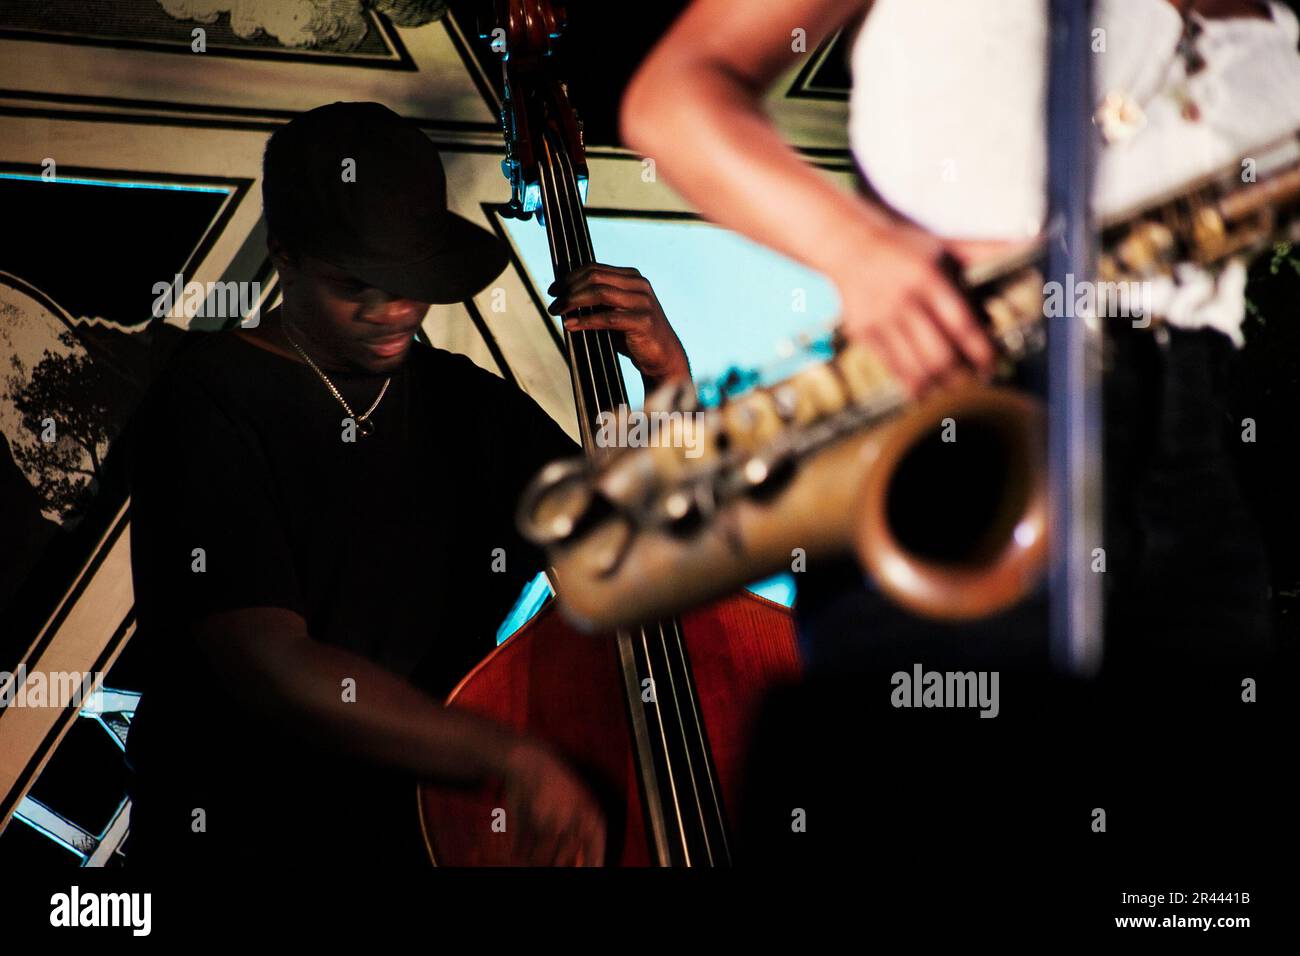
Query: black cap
point(390, 227)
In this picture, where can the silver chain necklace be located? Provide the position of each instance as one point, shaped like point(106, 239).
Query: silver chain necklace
point(365, 427)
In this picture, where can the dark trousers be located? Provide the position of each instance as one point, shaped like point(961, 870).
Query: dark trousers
point(1160, 742)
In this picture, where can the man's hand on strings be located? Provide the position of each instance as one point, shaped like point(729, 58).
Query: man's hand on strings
point(556, 819)
point(625, 304)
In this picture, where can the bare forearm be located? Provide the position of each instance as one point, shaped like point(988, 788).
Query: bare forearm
point(739, 173)
point(393, 722)
point(700, 118)
point(344, 702)
point(695, 107)
point(354, 706)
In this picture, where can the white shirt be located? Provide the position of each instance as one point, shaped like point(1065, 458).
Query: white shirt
point(946, 117)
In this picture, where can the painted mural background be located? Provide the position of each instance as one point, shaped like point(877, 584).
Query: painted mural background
point(156, 158)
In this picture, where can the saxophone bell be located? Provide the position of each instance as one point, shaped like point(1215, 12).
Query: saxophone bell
point(952, 519)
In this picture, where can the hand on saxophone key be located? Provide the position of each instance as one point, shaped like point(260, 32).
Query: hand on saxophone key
point(899, 300)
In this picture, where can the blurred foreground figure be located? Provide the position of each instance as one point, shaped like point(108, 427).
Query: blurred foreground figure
point(947, 125)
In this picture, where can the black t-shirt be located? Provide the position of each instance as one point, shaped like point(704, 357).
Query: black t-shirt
point(386, 546)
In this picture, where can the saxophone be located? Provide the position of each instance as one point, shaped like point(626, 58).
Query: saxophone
point(829, 460)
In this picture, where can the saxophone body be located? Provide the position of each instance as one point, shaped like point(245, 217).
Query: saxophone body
point(942, 500)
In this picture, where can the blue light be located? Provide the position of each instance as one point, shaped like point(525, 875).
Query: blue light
point(532, 197)
point(582, 189)
point(530, 602)
point(31, 177)
point(780, 588)
point(739, 322)
point(18, 815)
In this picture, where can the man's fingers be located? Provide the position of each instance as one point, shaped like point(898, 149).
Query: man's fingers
point(619, 321)
point(593, 845)
point(573, 847)
point(583, 273)
point(523, 839)
point(599, 293)
point(627, 279)
point(596, 268)
point(577, 843)
point(550, 841)
point(584, 843)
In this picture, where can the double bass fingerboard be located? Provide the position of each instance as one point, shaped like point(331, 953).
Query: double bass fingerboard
point(679, 783)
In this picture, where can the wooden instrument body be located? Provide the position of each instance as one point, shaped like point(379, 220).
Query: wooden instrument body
point(560, 685)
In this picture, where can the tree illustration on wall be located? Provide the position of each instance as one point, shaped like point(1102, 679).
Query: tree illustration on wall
point(69, 403)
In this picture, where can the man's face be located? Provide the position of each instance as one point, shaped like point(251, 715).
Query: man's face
point(350, 324)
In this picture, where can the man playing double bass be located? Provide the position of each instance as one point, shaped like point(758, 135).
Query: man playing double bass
point(319, 507)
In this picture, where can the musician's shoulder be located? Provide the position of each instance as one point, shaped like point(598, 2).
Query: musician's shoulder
point(454, 368)
point(214, 361)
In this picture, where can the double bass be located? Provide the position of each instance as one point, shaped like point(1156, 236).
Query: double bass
point(655, 718)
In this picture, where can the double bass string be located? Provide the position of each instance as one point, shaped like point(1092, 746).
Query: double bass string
point(559, 262)
point(686, 688)
point(576, 247)
point(609, 357)
point(561, 214)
